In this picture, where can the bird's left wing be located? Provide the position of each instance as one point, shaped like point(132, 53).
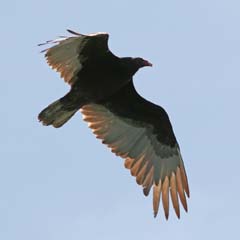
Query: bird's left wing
point(68, 54)
point(141, 133)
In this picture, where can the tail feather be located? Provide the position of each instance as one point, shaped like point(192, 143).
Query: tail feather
point(55, 114)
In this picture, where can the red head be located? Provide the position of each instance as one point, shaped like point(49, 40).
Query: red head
point(140, 62)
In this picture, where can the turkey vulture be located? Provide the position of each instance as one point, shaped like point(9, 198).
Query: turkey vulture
point(134, 128)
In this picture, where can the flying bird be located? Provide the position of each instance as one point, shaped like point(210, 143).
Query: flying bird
point(137, 130)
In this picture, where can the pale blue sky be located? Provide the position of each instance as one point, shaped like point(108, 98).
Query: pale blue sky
point(59, 184)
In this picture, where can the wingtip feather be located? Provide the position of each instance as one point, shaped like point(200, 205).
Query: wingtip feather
point(180, 189)
point(184, 180)
point(174, 196)
point(74, 33)
point(156, 197)
point(165, 196)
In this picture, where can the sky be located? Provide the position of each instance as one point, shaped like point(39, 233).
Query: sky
point(58, 184)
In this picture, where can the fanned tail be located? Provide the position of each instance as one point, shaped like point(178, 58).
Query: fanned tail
point(55, 114)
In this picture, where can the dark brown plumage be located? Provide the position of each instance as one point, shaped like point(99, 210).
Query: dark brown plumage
point(134, 128)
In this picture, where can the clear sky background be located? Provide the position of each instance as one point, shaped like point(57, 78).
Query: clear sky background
point(58, 184)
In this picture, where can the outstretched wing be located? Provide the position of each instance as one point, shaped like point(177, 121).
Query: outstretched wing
point(141, 133)
point(69, 54)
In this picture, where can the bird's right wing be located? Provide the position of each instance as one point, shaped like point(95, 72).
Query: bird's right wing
point(141, 133)
point(68, 54)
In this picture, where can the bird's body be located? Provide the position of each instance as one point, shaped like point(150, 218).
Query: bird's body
point(135, 129)
point(101, 78)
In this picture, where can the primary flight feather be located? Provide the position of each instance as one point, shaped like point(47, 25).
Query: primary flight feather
point(134, 128)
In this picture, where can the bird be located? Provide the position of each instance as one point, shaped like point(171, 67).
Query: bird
point(137, 130)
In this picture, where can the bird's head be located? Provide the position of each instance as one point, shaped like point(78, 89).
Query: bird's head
point(134, 64)
point(140, 62)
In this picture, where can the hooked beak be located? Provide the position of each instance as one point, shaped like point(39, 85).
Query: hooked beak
point(147, 63)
